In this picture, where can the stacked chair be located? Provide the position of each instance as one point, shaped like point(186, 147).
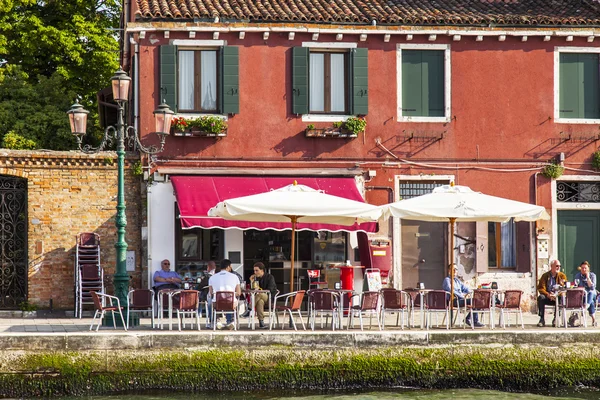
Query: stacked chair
point(89, 276)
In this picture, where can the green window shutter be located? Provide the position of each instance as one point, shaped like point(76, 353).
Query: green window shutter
point(360, 82)
point(589, 85)
point(230, 74)
point(300, 80)
point(168, 75)
point(432, 68)
point(569, 86)
point(412, 82)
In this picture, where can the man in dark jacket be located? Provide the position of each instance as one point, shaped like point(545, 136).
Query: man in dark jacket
point(265, 281)
point(547, 290)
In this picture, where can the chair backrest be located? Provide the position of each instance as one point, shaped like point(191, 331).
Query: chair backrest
point(415, 296)
point(575, 298)
point(482, 299)
point(188, 300)
point(297, 303)
point(436, 300)
point(97, 301)
point(224, 301)
point(512, 299)
point(141, 299)
point(323, 300)
point(393, 299)
point(88, 239)
point(369, 301)
point(90, 272)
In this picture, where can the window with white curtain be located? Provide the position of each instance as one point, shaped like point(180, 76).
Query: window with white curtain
point(327, 82)
point(197, 80)
point(502, 244)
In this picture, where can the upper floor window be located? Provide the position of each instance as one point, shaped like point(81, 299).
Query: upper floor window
point(577, 83)
point(328, 82)
point(199, 78)
point(423, 83)
point(329, 78)
point(502, 243)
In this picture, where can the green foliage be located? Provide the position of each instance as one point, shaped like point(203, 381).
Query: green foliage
point(337, 124)
point(109, 161)
point(208, 123)
point(35, 111)
point(310, 127)
point(355, 124)
point(553, 170)
point(51, 51)
point(596, 160)
point(136, 168)
point(26, 306)
point(15, 141)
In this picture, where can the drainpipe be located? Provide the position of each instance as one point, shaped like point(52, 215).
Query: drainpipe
point(535, 202)
point(390, 200)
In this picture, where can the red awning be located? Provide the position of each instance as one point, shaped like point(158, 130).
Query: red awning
point(196, 194)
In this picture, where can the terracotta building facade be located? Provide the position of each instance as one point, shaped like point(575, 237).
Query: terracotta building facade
point(486, 98)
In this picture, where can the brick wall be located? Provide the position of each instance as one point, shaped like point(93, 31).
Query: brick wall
point(68, 193)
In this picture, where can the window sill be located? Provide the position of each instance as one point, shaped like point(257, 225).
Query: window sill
point(193, 115)
point(576, 121)
point(424, 119)
point(330, 133)
point(324, 118)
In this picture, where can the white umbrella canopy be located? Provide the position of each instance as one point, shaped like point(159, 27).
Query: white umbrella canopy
point(463, 204)
point(450, 203)
point(296, 203)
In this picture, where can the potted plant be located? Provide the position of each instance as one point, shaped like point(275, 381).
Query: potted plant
point(348, 129)
point(596, 160)
point(355, 125)
point(553, 170)
point(179, 125)
point(208, 125)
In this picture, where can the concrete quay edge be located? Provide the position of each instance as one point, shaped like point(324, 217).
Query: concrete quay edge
point(93, 341)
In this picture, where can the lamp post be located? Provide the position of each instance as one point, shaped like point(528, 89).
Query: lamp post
point(78, 120)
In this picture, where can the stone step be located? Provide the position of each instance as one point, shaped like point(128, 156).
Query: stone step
point(17, 314)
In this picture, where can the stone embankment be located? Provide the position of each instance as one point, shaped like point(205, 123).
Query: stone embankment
point(85, 364)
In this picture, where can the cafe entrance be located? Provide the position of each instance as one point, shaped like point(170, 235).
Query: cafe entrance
point(314, 250)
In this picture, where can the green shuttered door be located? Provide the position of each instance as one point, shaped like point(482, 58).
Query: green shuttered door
point(423, 83)
point(168, 76)
point(360, 82)
point(230, 79)
point(578, 86)
point(300, 80)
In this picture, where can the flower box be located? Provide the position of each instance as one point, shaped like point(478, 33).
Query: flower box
point(198, 133)
point(330, 133)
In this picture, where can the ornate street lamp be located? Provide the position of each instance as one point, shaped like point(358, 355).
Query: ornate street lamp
point(78, 119)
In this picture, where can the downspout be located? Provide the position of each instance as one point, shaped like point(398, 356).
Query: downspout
point(535, 202)
point(390, 222)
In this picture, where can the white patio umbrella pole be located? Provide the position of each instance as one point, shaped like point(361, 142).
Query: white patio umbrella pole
point(452, 222)
point(293, 251)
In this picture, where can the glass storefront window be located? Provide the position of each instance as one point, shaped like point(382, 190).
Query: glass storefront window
point(329, 247)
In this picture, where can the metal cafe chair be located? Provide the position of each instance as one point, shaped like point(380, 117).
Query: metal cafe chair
point(436, 301)
point(224, 303)
point(511, 304)
point(113, 306)
point(395, 301)
point(481, 302)
point(140, 301)
point(314, 279)
point(187, 305)
point(285, 308)
point(574, 301)
point(369, 305)
point(324, 302)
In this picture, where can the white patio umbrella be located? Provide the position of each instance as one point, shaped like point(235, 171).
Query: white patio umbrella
point(451, 203)
point(296, 203)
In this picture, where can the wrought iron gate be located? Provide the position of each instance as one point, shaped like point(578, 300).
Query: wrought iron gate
point(13, 241)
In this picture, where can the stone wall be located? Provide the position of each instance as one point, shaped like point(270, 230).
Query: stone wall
point(69, 193)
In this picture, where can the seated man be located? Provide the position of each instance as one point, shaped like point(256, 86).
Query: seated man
point(587, 280)
point(224, 281)
point(265, 282)
point(460, 290)
point(203, 288)
point(165, 278)
point(547, 290)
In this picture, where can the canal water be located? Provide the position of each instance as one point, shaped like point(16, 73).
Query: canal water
point(392, 394)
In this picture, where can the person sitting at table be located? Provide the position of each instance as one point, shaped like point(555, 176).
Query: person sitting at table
point(547, 286)
point(226, 265)
point(460, 291)
point(224, 281)
point(587, 280)
point(165, 278)
point(203, 289)
point(265, 281)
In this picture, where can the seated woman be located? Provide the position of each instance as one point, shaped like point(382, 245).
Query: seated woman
point(586, 279)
